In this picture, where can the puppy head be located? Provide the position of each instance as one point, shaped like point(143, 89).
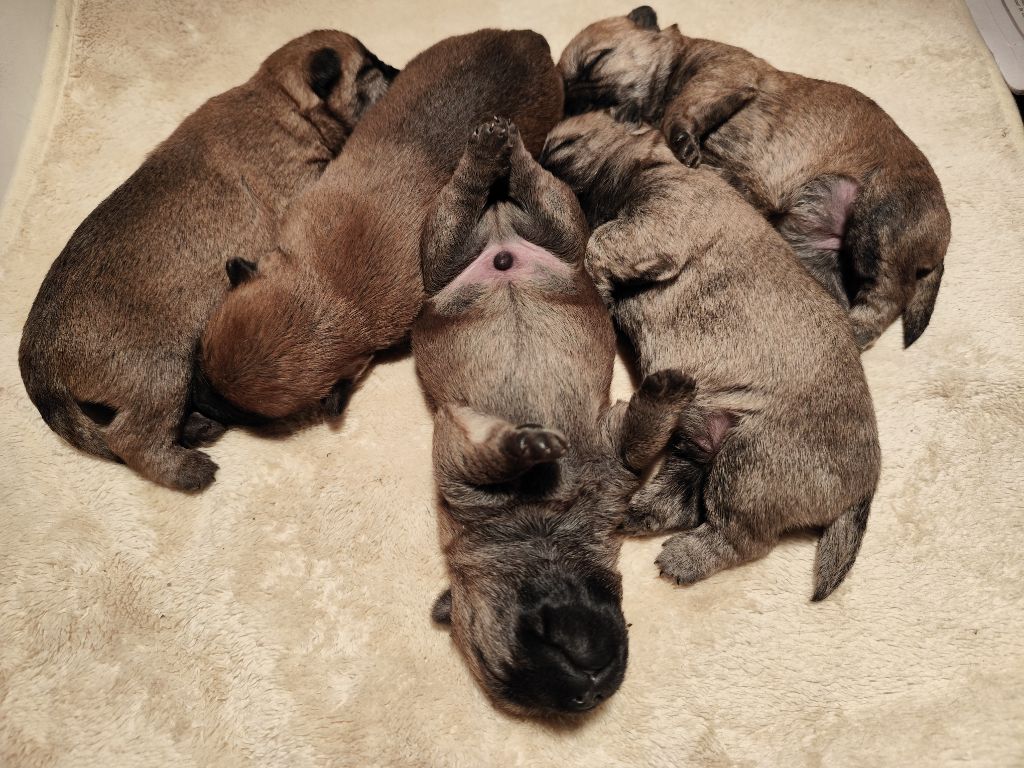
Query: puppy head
point(601, 159)
point(535, 607)
point(330, 76)
point(624, 61)
point(278, 346)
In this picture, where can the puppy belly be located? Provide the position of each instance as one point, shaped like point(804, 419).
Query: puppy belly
point(510, 262)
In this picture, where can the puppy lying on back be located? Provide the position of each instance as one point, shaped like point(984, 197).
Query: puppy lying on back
point(514, 349)
point(107, 351)
point(344, 280)
point(781, 434)
point(853, 196)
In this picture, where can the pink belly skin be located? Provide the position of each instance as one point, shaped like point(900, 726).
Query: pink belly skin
point(528, 262)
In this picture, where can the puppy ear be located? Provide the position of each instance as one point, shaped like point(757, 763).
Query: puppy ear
point(644, 17)
point(441, 613)
point(324, 71)
point(240, 271)
point(337, 399)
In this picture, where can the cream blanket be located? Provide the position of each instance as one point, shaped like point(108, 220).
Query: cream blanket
point(281, 618)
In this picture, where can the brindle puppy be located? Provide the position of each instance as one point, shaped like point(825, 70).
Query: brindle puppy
point(514, 349)
point(856, 199)
point(781, 434)
point(108, 347)
point(344, 280)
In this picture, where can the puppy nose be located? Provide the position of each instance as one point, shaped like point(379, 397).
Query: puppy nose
point(581, 636)
point(595, 688)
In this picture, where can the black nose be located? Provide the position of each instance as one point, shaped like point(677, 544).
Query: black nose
point(574, 646)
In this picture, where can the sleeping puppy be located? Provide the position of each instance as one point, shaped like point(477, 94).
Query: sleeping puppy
point(107, 351)
point(781, 433)
point(344, 280)
point(514, 349)
point(853, 196)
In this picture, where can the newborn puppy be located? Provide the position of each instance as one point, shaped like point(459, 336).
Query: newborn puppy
point(107, 351)
point(514, 349)
point(344, 280)
point(781, 434)
point(853, 196)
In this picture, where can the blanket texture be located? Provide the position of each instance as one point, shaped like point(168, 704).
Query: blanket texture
point(281, 617)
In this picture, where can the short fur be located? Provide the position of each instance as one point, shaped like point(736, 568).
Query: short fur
point(857, 200)
point(344, 280)
point(781, 434)
point(514, 349)
point(107, 350)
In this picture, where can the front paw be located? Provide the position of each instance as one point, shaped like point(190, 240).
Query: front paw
point(668, 385)
point(684, 145)
point(681, 561)
point(533, 444)
point(493, 141)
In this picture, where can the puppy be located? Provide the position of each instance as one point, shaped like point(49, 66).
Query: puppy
point(514, 349)
point(107, 351)
point(781, 433)
point(854, 197)
point(344, 280)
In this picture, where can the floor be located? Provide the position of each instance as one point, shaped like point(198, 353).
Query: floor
point(24, 33)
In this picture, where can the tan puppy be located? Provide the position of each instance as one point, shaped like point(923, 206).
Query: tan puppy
point(107, 350)
point(853, 196)
point(514, 349)
point(781, 434)
point(344, 280)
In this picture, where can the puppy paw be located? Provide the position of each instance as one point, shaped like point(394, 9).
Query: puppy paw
point(668, 385)
point(198, 431)
point(533, 444)
point(195, 471)
point(493, 141)
point(685, 146)
point(678, 566)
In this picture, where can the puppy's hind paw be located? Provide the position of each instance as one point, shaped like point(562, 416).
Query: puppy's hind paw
point(534, 444)
point(684, 145)
point(194, 472)
point(494, 139)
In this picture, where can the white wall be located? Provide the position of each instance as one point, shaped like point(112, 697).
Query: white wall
point(24, 33)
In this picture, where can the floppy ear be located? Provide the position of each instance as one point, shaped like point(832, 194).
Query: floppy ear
point(337, 399)
point(441, 613)
point(644, 17)
point(324, 71)
point(239, 271)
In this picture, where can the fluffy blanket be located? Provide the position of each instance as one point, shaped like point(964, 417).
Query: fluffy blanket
point(281, 618)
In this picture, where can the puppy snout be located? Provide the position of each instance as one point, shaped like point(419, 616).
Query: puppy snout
point(576, 647)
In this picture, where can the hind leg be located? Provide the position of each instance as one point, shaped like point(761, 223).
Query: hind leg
point(667, 501)
point(692, 556)
point(148, 443)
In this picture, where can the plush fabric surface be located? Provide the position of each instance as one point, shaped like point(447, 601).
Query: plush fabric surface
point(281, 618)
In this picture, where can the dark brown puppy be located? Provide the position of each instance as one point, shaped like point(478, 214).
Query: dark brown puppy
point(853, 196)
point(781, 434)
point(514, 349)
point(345, 280)
point(107, 350)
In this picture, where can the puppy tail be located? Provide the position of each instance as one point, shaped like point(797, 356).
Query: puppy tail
point(919, 310)
point(838, 547)
point(69, 418)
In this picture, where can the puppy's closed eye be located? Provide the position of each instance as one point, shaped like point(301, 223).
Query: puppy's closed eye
point(587, 70)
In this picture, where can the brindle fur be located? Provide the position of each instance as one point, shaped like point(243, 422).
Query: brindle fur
point(107, 350)
point(526, 448)
point(781, 434)
point(857, 200)
point(344, 280)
